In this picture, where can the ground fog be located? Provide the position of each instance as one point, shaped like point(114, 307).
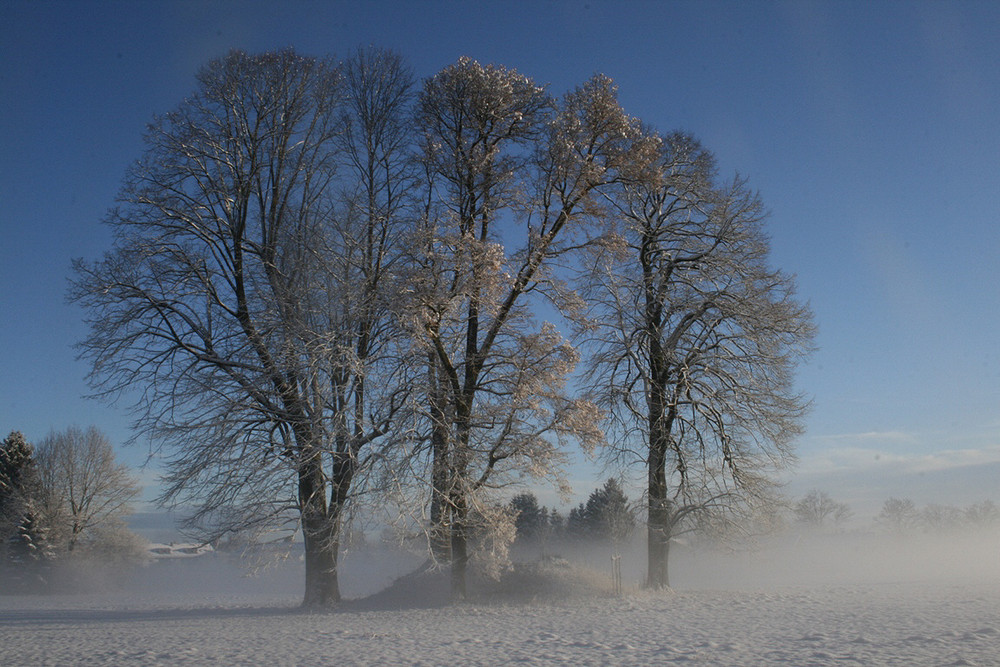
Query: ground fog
point(804, 599)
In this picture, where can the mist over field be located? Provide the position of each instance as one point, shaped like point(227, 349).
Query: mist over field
point(845, 559)
point(795, 557)
point(797, 598)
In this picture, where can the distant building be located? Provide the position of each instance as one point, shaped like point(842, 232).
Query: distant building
point(172, 550)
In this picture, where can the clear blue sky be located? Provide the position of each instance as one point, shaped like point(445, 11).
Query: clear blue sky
point(871, 130)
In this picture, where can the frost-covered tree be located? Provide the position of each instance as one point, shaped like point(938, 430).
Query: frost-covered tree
point(494, 146)
point(306, 254)
point(475, 122)
point(692, 340)
point(23, 533)
point(243, 317)
point(17, 479)
point(86, 490)
point(376, 196)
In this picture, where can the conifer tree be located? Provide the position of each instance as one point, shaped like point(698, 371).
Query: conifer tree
point(23, 534)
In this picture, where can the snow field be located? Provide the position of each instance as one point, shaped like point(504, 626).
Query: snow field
point(890, 624)
point(838, 600)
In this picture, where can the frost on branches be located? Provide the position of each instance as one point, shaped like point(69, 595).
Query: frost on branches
point(328, 287)
point(693, 340)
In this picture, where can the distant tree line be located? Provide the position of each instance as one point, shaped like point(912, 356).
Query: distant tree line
point(902, 516)
point(818, 510)
point(66, 498)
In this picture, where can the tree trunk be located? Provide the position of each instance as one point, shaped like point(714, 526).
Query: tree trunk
point(459, 549)
point(659, 424)
point(440, 541)
point(658, 547)
point(322, 545)
point(321, 534)
point(658, 525)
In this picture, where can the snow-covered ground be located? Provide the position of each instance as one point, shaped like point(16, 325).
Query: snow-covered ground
point(917, 613)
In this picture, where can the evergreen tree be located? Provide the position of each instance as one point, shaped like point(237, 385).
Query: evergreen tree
point(15, 465)
point(16, 469)
point(557, 524)
point(607, 515)
point(29, 544)
point(610, 512)
point(578, 523)
point(23, 534)
point(531, 519)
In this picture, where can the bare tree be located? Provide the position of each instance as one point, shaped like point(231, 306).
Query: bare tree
point(494, 145)
point(693, 339)
point(85, 488)
point(940, 519)
point(817, 509)
point(373, 213)
point(898, 515)
point(216, 304)
point(982, 515)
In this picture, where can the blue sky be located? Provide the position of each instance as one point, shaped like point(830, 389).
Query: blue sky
point(871, 130)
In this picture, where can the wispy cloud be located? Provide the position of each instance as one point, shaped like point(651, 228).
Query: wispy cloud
point(867, 436)
point(886, 461)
